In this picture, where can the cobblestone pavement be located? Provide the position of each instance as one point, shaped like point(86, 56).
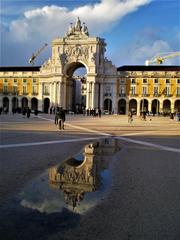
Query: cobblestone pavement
point(143, 200)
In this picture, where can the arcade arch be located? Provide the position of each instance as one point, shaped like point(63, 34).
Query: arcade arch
point(155, 106)
point(46, 105)
point(24, 102)
point(122, 106)
point(34, 103)
point(6, 103)
point(177, 106)
point(15, 103)
point(166, 106)
point(76, 87)
point(133, 106)
point(144, 105)
point(108, 105)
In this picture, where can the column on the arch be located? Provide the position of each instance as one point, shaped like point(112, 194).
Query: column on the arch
point(55, 96)
point(51, 94)
point(40, 97)
point(87, 95)
point(101, 96)
point(58, 93)
point(92, 91)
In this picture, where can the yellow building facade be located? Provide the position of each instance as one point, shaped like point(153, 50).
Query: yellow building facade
point(115, 90)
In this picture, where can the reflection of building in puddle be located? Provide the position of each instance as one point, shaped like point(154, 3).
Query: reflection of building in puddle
point(82, 173)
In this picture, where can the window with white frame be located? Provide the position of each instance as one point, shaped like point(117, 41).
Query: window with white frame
point(108, 89)
point(178, 91)
point(5, 88)
point(144, 90)
point(178, 81)
point(167, 81)
point(34, 89)
point(122, 90)
point(15, 89)
point(46, 89)
point(15, 81)
point(133, 90)
point(24, 89)
point(167, 90)
point(133, 80)
point(156, 90)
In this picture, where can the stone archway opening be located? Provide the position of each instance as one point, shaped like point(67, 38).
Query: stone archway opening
point(166, 107)
point(46, 105)
point(122, 106)
point(14, 104)
point(133, 106)
point(108, 106)
point(76, 87)
point(34, 103)
point(6, 104)
point(155, 106)
point(144, 105)
point(24, 102)
point(177, 106)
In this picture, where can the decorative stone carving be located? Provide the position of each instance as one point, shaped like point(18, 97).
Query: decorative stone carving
point(77, 30)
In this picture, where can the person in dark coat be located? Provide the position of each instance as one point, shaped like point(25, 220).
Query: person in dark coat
point(28, 112)
point(61, 118)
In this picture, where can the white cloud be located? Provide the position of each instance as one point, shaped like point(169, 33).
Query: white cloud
point(43, 24)
point(138, 52)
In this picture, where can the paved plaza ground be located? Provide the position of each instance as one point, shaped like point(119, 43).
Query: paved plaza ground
point(143, 199)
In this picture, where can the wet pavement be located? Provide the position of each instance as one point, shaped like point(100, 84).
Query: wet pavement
point(90, 189)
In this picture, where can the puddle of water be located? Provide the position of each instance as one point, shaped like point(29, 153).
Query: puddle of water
point(56, 199)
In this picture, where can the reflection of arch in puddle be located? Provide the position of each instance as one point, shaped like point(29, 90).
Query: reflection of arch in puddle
point(82, 173)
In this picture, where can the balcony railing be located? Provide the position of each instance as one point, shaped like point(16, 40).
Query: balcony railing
point(34, 93)
point(122, 94)
point(177, 94)
point(107, 94)
point(167, 94)
point(145, 94)
point(156, 94)
point(133, 94)
point(46, 93)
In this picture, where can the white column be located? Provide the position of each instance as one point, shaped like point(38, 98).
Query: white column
point(172, 106)
point(114, 107)
point(40, 98)
point(138, 107)
point(101, 97)
point(92, 95)
point(50, 87)
point(55, 96)
point(10, 105)
point(87, 95)
point(127, 106)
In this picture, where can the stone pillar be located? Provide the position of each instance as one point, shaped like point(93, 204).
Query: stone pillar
point(51, 92)
point(55, 94)
point(161, 106)
point(149, 105)
point(172, 106)
point(10, 104)
point(87, 95)
point(138, 107)
point(114, 103)
point(127, 106)
point(101, 97)
point(40, 97)
point(93, 95)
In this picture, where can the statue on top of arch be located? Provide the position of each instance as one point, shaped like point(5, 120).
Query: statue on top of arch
point(77, 29)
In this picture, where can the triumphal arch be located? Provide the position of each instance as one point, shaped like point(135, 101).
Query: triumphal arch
point(76, 49)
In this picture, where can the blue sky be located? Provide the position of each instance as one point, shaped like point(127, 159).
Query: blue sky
point(134, 30)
